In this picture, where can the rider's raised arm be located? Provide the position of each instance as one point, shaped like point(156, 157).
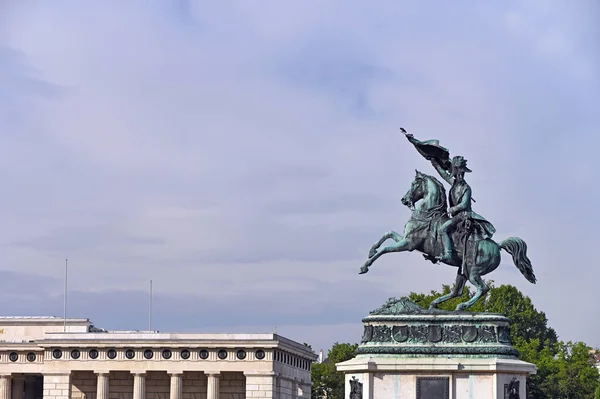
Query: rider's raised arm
point(443, 172)
point(463, 204)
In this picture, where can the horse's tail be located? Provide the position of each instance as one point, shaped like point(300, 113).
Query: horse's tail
point(518, 249)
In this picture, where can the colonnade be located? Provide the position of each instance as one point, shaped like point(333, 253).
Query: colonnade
point(58, 386)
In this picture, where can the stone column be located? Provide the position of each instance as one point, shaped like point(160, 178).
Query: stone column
point(261, 385)
point(18, 387)
point(139, 384)
point(212, 390)
point(295, 389)
point(176, 385)
point(102, 387)
point(5, 386)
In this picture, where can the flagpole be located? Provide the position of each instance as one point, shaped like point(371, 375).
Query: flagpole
point(65, 296)
point(150, 308)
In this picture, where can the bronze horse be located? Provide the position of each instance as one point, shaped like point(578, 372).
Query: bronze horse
point(475, 256)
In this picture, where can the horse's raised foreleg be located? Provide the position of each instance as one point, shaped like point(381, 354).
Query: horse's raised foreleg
point(401, 245)
point(390, 234)
point(482, 289)
point(457, 291)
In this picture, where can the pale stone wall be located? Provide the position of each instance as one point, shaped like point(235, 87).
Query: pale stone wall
point(232, 385)
point(57, 386)
point(292, 389)
point(305, 390)
point(158, 385)
point(478, 386)
point(291, 367)
point(83, 385)
point(293, 375)
point(120, 385)
point(285, 388)
point(261, 386)
point(462, 386)
point(194, 385)
point(388, 386)
point(26, 329)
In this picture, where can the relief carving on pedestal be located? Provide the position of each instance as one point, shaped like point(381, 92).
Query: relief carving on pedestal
point(511, 390)
point(421, 334)
point(400, 333)
point(356, 389)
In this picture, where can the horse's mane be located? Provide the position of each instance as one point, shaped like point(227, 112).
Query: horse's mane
point(440, 187)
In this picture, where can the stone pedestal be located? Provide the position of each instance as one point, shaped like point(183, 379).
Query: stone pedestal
point(395, 377)
point(411, 353)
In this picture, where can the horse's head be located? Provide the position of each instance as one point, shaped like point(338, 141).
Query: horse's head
point(425, 187)
point(417, 190)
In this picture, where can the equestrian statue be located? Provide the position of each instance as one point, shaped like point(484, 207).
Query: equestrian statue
point(449, 231)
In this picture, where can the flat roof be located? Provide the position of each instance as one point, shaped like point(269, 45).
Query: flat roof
point(99, 335)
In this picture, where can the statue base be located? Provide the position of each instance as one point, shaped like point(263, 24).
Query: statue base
point(410, 352)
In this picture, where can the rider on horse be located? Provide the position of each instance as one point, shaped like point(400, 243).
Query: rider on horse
point(459, 197)
point(480, 253)
point(460, 204)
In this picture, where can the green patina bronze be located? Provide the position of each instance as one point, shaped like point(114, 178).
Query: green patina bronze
point(449, 231)
point(403, 328)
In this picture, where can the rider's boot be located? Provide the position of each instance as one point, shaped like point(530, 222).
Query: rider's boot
point(447, 254)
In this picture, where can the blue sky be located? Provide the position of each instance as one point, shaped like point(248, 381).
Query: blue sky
point(245, 157)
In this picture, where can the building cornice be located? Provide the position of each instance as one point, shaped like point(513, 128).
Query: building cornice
point(20, 321)
point(176, 341)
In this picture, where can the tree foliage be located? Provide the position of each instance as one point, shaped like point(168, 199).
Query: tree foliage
point(327, 381)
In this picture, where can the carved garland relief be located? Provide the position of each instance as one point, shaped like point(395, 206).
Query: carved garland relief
point(436, 334)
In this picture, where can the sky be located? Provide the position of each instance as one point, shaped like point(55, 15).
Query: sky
point(244, 156)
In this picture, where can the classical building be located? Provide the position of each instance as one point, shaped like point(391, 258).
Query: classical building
point(50, 358)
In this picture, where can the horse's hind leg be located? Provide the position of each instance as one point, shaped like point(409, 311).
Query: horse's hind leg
point(457, 291)
point(482, 289)
point(390, 234)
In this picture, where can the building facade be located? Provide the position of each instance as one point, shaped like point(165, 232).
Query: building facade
point(50, 358)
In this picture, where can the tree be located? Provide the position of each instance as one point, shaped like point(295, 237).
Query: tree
point(577, 374)
point(327, 381)
point(565, 370)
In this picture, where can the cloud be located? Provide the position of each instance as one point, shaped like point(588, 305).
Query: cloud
point(251, 311)
point(250, 156)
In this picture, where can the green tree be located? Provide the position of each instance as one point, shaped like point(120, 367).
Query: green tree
point(327, 381)
point(577, 375)
point(565, 370)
